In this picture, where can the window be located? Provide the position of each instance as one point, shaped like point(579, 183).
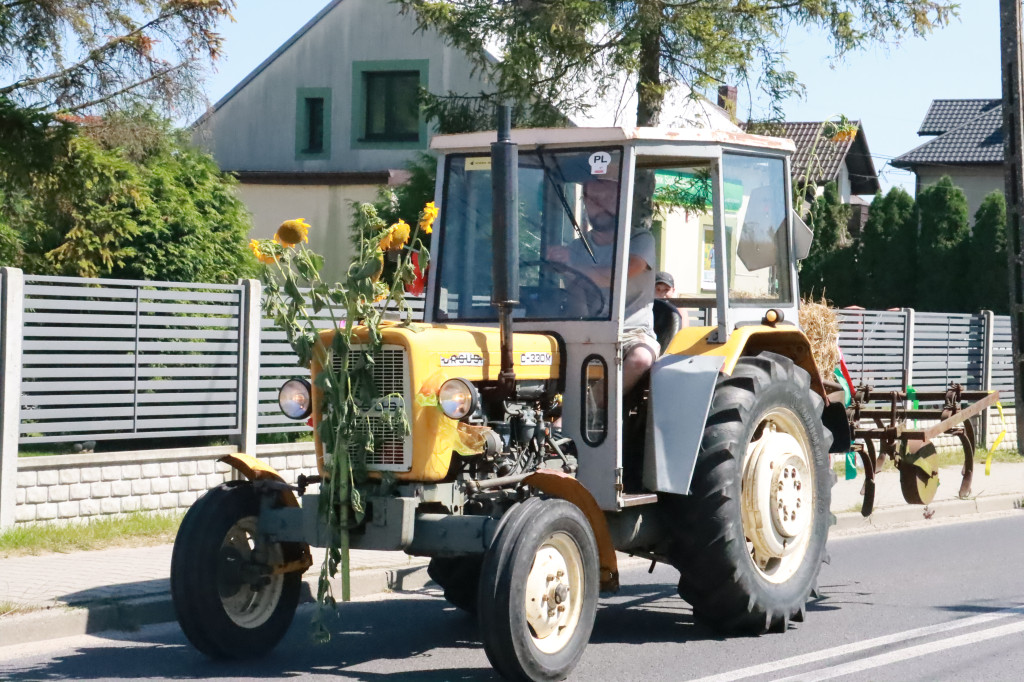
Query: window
point(385, 104)
point(392, 109)
point(313, 123)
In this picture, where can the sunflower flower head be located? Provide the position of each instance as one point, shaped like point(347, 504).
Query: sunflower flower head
point(843, 131)
point(292, 232)
point(427, 218)
point(265, 250)
point(395, 237)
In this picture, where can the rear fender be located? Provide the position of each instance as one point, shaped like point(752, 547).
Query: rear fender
point(563, 486)
point(683, 385)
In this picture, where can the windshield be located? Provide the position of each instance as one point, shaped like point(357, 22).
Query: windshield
point(568, 219)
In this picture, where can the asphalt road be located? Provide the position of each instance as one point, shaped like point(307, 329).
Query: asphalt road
point(944, 602)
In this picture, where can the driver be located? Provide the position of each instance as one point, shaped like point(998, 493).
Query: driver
point(639, 345)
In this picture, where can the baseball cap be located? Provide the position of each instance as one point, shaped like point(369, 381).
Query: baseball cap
point(664, 278)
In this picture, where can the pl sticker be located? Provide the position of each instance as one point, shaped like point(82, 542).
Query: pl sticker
point(599, 162)
point(462, 360)
point(526, 359)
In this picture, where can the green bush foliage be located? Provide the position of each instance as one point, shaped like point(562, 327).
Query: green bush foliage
point(125, 196)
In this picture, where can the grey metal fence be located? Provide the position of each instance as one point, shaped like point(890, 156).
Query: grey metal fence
point(1002, 359)
point(948, 347)
point(114, 359)
point(874, 345)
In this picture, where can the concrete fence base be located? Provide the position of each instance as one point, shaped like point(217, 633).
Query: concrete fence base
point(73, 487)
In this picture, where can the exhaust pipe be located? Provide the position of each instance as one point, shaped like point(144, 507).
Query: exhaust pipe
point(505, 240)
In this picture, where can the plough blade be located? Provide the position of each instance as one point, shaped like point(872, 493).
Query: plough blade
point(919, 472)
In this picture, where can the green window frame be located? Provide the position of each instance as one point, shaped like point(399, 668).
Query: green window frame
point(313, 123)
point(374, 124)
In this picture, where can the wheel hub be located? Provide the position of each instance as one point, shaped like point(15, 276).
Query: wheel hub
point(548, 593)
point(778, 496)
point(790, 510)
point(554, 593)
point(247, 595)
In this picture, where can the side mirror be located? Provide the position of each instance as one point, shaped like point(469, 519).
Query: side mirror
point(802, 237)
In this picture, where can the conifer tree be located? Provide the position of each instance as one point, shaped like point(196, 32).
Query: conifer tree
point(987, 271)
point(944, 241)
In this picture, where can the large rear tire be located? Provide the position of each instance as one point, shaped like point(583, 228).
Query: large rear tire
point(750, 539)
point(539, 591)
point(227, 600)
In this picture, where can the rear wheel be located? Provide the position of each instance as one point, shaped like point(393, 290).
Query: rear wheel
point(228, 600)
point(539, 591)
point(750, 539)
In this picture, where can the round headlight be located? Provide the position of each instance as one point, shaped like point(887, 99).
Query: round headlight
point(294, 399)
point(458, 398)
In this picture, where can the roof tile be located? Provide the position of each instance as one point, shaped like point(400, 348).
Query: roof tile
point(979, 140)
point(945, 114)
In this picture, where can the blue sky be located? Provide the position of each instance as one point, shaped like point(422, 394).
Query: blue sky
point(888, 89)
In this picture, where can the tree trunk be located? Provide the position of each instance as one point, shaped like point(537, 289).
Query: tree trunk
point(650, 98)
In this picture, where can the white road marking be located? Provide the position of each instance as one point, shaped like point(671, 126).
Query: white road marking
point(904, 654)
point(838, 652)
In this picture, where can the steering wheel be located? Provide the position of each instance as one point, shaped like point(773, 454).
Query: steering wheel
point(580, 298)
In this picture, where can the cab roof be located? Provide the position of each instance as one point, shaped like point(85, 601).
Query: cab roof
point(528, 137)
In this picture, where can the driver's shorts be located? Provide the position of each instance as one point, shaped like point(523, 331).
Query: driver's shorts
point(639, 336)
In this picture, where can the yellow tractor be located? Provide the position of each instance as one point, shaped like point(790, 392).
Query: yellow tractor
point(531, 467)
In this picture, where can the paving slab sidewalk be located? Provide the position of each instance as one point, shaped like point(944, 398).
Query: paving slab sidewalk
point(124, 588)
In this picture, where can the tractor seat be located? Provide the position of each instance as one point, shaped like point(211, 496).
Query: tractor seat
point(667, 322)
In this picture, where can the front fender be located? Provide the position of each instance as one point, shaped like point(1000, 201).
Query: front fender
point(257, 470)
point(563, 486)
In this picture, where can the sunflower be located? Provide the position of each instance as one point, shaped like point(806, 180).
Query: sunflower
point(292, 232)
point(844, 130)
point(263, 249)
point(427, 217)
point(395, 237)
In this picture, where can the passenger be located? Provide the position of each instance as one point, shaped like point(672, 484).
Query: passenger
point(664, 285)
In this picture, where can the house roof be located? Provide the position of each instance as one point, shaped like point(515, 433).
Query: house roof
point(829, 155)
point(976, 141)
point(608, 135)
point(945, 114)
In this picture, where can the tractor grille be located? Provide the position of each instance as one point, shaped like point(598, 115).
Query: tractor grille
point(391, 452)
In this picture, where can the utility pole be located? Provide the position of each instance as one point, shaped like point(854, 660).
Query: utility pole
point(1013, 119)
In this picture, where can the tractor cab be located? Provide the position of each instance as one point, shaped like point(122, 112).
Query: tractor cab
point(583, 196)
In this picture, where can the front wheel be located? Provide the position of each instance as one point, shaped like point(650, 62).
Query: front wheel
point(459, 577)
point(229, 601)
point(539, 590)
point(750, 540)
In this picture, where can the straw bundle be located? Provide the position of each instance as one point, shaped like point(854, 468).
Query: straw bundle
point(821, 326)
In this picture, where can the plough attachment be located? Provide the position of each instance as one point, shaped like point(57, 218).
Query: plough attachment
point(911, 448)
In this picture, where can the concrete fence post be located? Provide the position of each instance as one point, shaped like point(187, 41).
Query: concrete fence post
point(988, 344)
point(908, 347)
point(12, 306)
point(249, 376)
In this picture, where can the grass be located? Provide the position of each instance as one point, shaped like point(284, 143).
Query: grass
point(946, 459)
point(138, 529)
point(13, 608)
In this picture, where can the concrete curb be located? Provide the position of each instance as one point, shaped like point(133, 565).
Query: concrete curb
point(882, 518)
point(127, 615)
point(130, 614)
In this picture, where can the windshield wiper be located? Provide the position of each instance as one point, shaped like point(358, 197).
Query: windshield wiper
point(565, 204)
